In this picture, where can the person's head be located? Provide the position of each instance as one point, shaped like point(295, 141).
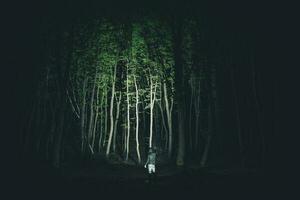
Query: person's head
point(151, 150)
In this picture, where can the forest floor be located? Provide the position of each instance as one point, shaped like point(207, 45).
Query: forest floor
point(131, 181)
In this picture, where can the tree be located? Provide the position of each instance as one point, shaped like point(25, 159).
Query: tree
point(179, 86)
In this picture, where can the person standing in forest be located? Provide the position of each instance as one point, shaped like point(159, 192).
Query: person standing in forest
point(150, 164)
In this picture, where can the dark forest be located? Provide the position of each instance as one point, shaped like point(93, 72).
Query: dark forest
point(96, 85)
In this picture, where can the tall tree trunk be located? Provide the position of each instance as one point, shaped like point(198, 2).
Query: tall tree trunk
point(152, 102)
point(209, 133)
point(105, 118)
point(151, 113)
point(164, 129)
point(101, 123)
point(164, 126)
point(111, 111)
point(181, 139)
point(91, 122)
point(76, 107)
point(128, 115)
point(96, 118)
point(198, 116)
point(190, 118)
point(94, 129)
point(116, 122)
point(137, 121)
point(206, 149)
point(72, 105)
point(169, 117)
point(180, 83)
point(124, 134)
point(82, 116)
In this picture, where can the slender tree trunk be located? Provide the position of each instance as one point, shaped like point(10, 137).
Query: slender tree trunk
point(180, 84)
point(128, 115)
point(111, 111)
point(190, 118)
point(94, 129)
point(76, 107)
point(96, 118)
point(164, 125)
point(137, 121)
point(116, 122)
point(152, 102)
point(144, 120)
point(164, 130)
point(169, 117)
point(198, 118)
point(90, 130)
point(151, 113)
point(124, 135)
point(101, 123)
point(181, 139)
point(197, 132)
point(206, 149)
point(72, 105)
point(209, 133)
point(105, 118)
point(82, 113)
